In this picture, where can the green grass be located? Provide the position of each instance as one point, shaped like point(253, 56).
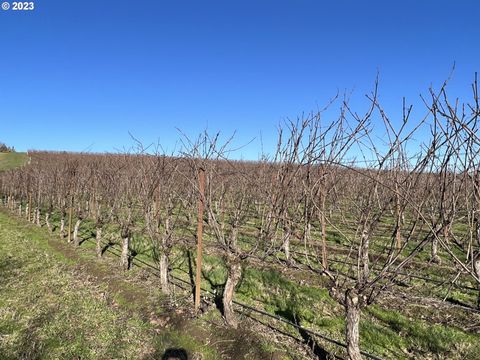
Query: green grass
point(45, 312)
point(385, 332)
point(390, 332)
point(12, 160)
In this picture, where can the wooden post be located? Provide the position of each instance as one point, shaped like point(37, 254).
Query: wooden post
point(201, 204)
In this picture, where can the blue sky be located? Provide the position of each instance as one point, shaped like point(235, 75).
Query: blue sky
point(82, 75)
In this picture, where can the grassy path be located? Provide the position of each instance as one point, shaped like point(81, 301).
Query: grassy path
point(12, 160)
point(56, 304)
point(47, 312)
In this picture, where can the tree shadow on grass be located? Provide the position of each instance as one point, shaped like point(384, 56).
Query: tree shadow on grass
point(454, 301)
point(217, 289)
point(191, 274)
point(320, 352)
point(82, 240)
point(107, 246)
point(131, 256)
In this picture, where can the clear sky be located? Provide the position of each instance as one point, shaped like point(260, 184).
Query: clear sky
point(81, 75)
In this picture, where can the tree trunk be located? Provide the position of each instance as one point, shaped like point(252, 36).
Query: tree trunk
point(47, 222)
point(434, 255)
point(476, 266)
point(163, 267)
point(76, 239)
point(234, 274)
point(62, 227)
point(70, 216)
point(286, 246)
point(37, 217)
point(124, 261)
point(20, 209)
point(307, 237)
point(352, 338)
point(98, 238)
point(209, 217)
point(398, 237)
point(364, 257)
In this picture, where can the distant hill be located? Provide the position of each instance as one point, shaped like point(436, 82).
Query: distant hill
point(11, 160)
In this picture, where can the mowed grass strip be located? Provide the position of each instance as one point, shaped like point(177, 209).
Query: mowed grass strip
point(46, 312)
point(12, 160)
